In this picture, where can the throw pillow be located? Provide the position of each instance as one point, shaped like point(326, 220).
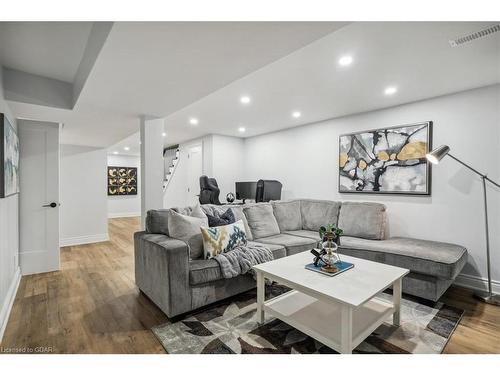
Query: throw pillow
point(195, 211)
point(239, 215)
point(218, 219)
point(187, 228)
point(217, 240)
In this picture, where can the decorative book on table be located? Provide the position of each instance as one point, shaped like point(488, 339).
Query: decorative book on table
point(341, 267)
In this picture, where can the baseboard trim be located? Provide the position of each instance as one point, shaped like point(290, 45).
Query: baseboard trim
point(123, 214)
point(9, 301)
point(476, 283)
point(82, 240)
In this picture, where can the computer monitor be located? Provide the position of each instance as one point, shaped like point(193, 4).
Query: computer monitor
point(246, 190)
point(268, 190)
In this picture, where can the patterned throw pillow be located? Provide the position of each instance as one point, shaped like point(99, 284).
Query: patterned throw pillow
point(217, 240)
point(218, 219)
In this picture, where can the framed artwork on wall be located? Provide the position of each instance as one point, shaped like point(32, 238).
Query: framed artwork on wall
point(9, 157)
point(122, 180)
point(386, 161)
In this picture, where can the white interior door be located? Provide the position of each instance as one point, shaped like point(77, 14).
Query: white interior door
point(195, 170)
point(39, 196)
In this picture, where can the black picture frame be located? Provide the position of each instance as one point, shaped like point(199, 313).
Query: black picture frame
point(428, 190)
point(122, 181)
point(5, 126)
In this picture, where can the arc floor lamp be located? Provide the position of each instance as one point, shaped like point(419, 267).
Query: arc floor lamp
point(435, 157)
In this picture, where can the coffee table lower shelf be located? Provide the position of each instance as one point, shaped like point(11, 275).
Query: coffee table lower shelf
point(325, 321)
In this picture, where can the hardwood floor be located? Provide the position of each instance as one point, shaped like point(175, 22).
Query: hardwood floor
point(93, 306)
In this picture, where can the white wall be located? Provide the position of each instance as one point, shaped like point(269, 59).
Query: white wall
point(83, 192)
point(222, 159)
point(9, 239)
point(125, 205)
point(152, 167)
point(305, 160)
point(227, 156)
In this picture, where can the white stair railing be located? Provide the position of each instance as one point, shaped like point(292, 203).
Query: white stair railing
point(171, 160)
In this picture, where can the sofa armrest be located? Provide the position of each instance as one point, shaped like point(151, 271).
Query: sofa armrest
point(162, 271)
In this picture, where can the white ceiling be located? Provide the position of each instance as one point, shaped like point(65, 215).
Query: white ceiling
point(415, 57)
point(128, 146)
point(183, 70)
point(49, 49)
point(157, 68)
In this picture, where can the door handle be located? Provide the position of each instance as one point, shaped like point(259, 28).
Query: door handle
point(51, 205)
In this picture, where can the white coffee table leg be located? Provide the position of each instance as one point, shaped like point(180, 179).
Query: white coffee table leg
point(261, 292)
point(346, 330)
point(396, 298)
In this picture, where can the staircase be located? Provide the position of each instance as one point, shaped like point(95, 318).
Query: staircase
point(170, 159)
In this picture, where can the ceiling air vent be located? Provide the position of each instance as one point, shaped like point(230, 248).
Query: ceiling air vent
point(475, 35)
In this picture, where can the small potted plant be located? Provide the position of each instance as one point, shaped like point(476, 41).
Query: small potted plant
point(330, 233)
point(330, 240)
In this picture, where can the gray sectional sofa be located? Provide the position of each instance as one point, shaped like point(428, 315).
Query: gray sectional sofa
point(166, 273)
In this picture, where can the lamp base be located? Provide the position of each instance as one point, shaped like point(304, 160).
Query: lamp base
point(492, 299)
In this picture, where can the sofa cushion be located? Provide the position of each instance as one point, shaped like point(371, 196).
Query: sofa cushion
point(278, 251)
point(224, 238)
point(157, 221)
point(363, 220)
point(261, 220)
point(187, 228)
point(440, 259)
point(237, 211)
point(305, 233)
point(293, 244)
point(218, 219)
point(287, 215)
point(316, 213)
point(205, 271)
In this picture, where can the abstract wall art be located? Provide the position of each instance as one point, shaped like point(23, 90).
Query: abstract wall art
point(122, 181)
point(389, 160)
point(9, 157)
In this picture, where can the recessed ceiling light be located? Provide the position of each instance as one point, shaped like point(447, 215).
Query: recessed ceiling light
point(241, 129)
point(115, 152)
point(345, 60)
point(245, 99)
point(390, 90)
point(296, 114)
point(193, 121)
point(163, 134)
point(126, 148)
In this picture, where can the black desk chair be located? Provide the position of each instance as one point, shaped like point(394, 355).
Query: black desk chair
point(209, 191)
point(268, 190)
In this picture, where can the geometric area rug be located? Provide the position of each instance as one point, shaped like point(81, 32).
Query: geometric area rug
point(230, 327)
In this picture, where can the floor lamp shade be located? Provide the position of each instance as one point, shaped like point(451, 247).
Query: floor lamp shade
point(437, 154)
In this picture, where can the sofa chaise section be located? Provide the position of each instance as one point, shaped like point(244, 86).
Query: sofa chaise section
point(433, 265)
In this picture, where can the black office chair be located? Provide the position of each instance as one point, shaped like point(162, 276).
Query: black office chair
point(268, 190)
point(209, 191)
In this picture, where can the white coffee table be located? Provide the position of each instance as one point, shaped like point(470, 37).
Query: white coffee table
point(339, 311)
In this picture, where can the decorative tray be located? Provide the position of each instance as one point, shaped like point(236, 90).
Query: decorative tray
point(341, 267)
